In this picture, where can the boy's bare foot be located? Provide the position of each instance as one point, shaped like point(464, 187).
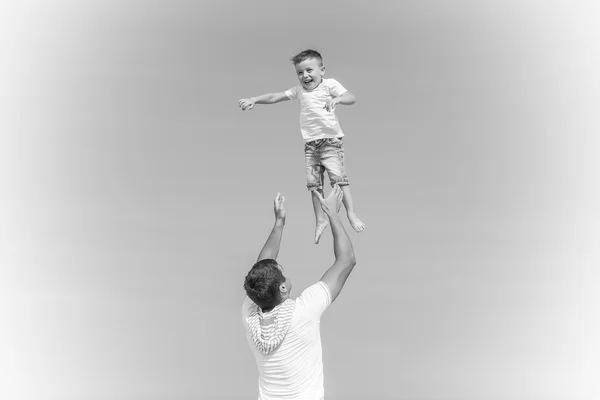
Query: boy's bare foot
point(356, 223)
point(321, 225)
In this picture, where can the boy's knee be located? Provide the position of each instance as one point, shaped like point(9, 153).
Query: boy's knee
point(339, 182)
point(312, 185)
point(314, 178)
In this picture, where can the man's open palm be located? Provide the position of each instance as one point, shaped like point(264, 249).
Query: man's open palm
point(333, 202)
point(279, 208)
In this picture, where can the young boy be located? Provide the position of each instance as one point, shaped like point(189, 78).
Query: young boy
point(321, 131)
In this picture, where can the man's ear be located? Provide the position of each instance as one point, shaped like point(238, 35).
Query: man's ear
point(283, 288)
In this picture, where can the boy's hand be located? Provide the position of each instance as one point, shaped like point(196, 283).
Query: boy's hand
point(331, 103)
point(332, 204)
point(246, 104)
point(278, 208)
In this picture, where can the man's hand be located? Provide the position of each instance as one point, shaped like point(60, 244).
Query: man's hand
point(332, 204)
point(246, 104)
point(331, 103)
point(279, 208)
point(271, 247)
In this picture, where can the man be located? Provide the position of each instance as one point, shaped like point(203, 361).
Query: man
point(283, 333)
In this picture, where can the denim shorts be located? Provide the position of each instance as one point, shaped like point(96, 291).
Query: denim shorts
point(325, 155)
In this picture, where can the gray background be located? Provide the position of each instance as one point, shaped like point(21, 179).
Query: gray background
point(135, 195)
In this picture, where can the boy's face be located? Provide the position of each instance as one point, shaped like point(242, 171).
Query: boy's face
point(310, 73)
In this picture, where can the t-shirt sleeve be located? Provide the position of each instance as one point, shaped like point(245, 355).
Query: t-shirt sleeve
point(314, 300)
point(292, 93)
point(335, 88)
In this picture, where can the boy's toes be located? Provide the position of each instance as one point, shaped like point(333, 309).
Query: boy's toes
point(356, 223)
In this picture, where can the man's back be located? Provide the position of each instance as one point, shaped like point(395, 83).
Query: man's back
point(284, 334)
point(294, 370)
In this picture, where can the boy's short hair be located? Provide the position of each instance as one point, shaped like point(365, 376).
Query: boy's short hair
point(306, 55)
point(262, 283)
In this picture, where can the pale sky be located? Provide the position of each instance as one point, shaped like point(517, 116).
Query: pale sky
point(135, 196)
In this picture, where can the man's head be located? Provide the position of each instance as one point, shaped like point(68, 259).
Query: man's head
point(309, 68)
point(265, 284)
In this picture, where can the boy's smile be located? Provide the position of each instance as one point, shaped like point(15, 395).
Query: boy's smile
point(310, 73)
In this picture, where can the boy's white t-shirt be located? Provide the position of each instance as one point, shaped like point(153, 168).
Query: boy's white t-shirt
point(294, 371)
point(315, 121)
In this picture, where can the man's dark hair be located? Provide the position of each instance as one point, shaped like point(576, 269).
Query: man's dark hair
point(262, 283)
point(306, 55)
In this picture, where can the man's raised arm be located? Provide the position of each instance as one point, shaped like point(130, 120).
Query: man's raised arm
point(335, 277)
point(271, 248)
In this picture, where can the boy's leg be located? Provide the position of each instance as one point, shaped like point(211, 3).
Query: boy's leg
point(321, 219)
point(332, 158)
point(355, 222)
point(314, 182)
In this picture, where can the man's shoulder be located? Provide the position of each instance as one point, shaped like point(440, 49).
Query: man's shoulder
point(316, 295)
point(247, 307)
point(317, 286)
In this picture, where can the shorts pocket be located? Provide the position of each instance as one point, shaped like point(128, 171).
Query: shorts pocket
point(334, 142)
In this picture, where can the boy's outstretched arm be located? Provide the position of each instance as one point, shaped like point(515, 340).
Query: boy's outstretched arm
point(271, 248)
point(335, 277)
point(345, 98)
point(269, 98)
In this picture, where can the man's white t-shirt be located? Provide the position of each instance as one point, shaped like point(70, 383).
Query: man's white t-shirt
point(315, 121)
point(294, 371)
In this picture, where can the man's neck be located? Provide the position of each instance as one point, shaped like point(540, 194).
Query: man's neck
point(267, 309)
